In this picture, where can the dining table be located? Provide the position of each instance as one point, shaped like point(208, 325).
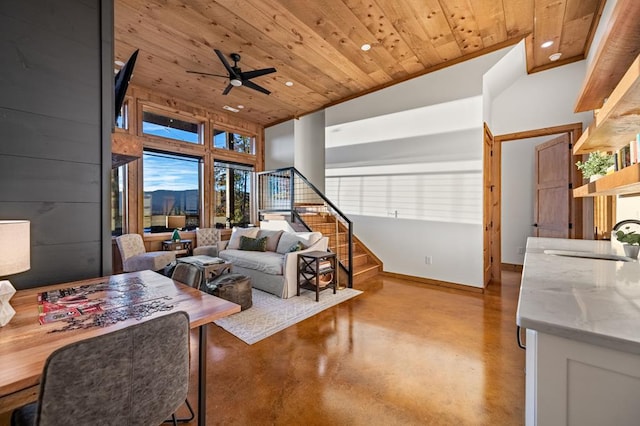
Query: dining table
point(50, 317)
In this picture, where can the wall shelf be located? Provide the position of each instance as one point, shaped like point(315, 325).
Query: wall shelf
point(625, 181)
point(617, 123)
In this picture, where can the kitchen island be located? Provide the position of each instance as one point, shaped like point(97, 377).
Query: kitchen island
point(582, 320)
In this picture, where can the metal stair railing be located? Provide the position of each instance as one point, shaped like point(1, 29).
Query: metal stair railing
point(286, 193)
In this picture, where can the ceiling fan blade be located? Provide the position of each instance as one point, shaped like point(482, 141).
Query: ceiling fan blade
point(257, 73)
point(206, 73)
point(225, 63)
point(252, 85)
point(227, 89)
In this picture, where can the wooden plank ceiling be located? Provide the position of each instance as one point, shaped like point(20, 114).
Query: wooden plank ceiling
point(315, 44)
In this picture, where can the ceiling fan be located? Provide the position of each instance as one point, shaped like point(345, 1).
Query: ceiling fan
point(236, 76)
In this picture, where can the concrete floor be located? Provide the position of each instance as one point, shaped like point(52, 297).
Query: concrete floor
point(401, 353)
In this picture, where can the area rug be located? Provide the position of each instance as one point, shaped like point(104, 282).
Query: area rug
point(270, 314)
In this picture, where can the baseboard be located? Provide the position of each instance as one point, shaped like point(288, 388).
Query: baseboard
point(511, 267)
point(435, 283)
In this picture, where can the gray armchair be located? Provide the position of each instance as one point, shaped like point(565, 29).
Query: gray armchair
point(207, 242)
point(136, 258)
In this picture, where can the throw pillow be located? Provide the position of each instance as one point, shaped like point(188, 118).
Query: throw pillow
point(289, 238)
point(296, 247)
point(236, 233)
point(272, 238)
point(253, 244)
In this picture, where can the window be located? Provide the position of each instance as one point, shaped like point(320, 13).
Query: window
point(233, 142)
point(118, 199)
point(233, 187)
point(171, 185)
point(169, 127)
point(122, 120)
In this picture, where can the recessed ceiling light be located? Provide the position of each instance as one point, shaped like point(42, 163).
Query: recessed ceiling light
point(555, 56)
point(365, 47)
point(289, 83)
point(119, 63)
point(232, 109)
point(547, 44)
point(240, 106)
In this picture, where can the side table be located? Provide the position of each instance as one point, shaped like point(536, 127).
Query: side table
point(317, 272)
point(180, 247)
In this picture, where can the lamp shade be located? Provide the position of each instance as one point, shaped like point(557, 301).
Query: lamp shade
point(14, 247)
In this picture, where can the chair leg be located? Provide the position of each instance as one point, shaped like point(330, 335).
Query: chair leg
point(175, 419)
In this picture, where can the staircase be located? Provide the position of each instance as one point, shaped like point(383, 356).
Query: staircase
point(365, 264)
point(286, 195)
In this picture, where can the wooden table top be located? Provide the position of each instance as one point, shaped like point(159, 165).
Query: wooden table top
point(25, 344)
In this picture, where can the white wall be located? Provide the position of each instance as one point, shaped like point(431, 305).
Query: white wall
point(540, 100)
point(518, 193)
point(403, 244)
point(278, 147)
point(309, 148)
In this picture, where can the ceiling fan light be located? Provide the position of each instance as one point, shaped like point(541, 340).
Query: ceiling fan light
point(235, 82)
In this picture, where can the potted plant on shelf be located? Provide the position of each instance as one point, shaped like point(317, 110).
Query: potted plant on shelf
point(596, 165)
point(630, 241)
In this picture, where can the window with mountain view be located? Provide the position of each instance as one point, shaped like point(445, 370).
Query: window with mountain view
point(233, 187)
point(171, 188)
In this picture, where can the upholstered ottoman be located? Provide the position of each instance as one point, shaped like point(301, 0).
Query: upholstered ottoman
point(235, 288)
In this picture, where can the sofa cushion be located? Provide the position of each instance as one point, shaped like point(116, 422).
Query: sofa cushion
point(288, 239)
point(272, 238)
point(253, 244)
point(268, 262)
point(236, 233)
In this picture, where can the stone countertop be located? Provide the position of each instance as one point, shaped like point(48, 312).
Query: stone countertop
point(590, 300)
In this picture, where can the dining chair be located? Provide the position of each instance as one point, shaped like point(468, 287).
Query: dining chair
point(190, 275)
point(187, 274)
point(136, 258)
point(138, 375)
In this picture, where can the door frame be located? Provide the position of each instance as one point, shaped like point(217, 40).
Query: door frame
point(575, 131)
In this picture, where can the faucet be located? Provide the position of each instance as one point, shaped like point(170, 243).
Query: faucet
point(625, 222)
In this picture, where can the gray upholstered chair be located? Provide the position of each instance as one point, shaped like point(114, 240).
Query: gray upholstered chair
point(188, 274)
point(136, 258)
point(138, 375)
point(207, 242)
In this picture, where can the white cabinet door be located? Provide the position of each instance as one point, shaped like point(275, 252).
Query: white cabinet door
point(575, 383)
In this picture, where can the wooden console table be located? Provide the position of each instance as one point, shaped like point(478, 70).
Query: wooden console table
point(180, 247)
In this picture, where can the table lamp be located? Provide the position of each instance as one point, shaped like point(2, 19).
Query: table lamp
point(14, 258)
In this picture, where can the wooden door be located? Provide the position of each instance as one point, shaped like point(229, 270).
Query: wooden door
point(552, 216)
point(489, 200)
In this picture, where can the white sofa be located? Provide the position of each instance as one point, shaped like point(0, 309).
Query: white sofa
point(274, 269)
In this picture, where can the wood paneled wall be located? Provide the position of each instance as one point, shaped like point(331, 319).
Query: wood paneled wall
point(53, 111)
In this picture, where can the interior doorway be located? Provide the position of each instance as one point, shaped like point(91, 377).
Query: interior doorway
point(573, 131)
